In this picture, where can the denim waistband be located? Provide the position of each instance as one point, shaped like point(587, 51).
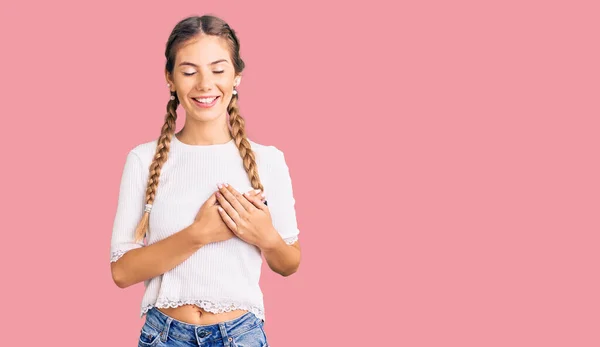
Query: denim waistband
point(170, 326)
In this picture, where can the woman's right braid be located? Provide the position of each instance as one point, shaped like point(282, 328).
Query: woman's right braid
point(160, 157)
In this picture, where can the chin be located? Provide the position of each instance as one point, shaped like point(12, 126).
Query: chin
point(206, 116)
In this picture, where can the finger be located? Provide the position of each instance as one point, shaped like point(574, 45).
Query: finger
point(256, 192)
point(240, 198)
point(212, 199)
point(239, 202)
point(257, 202)
point(228, 221)
point(227, 207)
point(261, 194)
point(231, 199)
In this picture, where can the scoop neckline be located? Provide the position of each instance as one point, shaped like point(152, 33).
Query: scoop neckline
point(201, 147)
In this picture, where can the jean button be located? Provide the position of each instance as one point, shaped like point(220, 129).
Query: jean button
point(230, 339)
point(203, 333)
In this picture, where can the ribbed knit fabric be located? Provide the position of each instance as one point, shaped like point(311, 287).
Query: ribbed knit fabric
point(220, 276)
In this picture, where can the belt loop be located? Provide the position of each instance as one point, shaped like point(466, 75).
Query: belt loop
point(164, 334)
point(226, 339)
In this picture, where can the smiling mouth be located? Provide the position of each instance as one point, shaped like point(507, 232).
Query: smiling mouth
point(206, 102)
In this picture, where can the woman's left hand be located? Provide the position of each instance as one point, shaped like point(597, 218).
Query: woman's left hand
point(247, 217)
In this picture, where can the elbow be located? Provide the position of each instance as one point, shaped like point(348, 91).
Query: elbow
point(289, 271)
point(117, 275)
point(120, 284)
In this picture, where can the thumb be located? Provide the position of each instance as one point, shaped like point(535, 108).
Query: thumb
point(212, 199)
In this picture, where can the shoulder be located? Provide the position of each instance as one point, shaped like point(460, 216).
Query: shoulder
point(144, 151)
point(266, 153)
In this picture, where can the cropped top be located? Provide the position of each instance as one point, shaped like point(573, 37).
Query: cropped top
point(220, 276)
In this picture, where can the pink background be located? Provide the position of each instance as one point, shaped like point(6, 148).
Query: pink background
point(444, 157)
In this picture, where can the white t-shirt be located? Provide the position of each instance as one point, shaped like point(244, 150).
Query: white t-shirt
point(220, 276)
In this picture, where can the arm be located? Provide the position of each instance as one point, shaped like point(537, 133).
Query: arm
point(252, 221)
point(132, 261)
point(273, 229)
point(283, 255)
point(146, 262)
point(282, 258)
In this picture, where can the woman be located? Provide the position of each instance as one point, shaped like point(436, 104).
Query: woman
point(202, 259)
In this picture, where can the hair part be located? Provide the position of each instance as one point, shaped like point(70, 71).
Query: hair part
point(186, 30)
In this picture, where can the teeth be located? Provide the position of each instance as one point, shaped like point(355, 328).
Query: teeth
point(205, 101)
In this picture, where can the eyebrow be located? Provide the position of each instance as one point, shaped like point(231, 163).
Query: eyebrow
point(194, 65)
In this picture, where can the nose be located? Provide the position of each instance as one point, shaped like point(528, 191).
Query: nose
point(204, 83)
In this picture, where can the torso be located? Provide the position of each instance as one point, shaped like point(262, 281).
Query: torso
point(193, 314)
point(168, 223)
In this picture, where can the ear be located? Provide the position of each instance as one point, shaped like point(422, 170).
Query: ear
point(236, 82)
point(169, 80)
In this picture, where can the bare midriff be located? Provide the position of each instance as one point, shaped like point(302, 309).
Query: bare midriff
point(193, 314)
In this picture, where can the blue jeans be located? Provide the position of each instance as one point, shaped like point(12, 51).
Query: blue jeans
point(163, 330)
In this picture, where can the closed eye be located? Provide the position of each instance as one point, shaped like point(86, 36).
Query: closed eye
point(192, 73)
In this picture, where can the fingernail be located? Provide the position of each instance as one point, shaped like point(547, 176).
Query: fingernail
point(219, 185)
point(257, 191)
point(226, 185)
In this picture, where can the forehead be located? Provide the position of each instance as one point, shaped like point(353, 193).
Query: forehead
point(203, 50)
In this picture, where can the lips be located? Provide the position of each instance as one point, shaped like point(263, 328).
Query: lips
point(198, 98)
point(206, 105)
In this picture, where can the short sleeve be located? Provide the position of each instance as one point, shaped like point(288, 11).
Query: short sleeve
point(280, 199)
point(130, 207)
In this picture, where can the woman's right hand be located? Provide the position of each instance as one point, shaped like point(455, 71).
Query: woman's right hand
point(208, 226)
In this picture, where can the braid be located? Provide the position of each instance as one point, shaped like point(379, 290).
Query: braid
point(238, 133)
point(160, 157)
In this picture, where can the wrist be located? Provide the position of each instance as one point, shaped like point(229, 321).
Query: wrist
point(193, 235)
point(272, 243)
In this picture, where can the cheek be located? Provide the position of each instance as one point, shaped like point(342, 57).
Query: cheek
point(225, 83)
point(225, 88)
point(185, 86)
point(182, 91)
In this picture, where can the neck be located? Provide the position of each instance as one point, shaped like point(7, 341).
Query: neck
point(204, 134)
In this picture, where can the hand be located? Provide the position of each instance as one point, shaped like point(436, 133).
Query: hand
point(254, 192)
point(208, 226)
point(246, 216)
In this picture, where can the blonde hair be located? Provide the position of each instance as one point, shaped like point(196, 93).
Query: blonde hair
point(185, 30)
